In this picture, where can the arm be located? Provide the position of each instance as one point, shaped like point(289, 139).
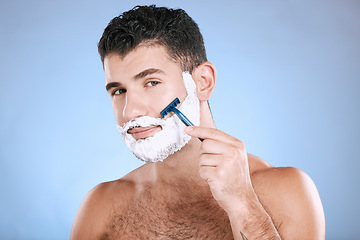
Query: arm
point(252, 222)
point(293, 206)
point(90, 218)
point(291, 203)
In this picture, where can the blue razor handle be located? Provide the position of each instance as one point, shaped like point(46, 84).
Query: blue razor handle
point(183, 118)
point(172, 107)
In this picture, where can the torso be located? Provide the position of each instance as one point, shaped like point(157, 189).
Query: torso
point(178, 210)
point(170, 215)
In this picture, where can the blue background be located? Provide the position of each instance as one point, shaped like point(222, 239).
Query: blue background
point(288, 86)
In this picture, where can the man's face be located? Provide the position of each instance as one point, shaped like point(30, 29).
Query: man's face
point(142, 84)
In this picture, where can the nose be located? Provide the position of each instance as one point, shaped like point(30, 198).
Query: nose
point(134, 106)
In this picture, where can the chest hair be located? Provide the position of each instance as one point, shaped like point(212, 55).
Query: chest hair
point(169, 215)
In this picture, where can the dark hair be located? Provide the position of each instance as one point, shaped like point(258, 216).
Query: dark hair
point(172, 28)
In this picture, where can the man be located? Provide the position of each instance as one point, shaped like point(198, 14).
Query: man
point(190, 188)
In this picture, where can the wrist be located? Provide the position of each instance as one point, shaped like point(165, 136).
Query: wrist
point(244, 207)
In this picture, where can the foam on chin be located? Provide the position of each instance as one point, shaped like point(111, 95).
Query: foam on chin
point(172, 137)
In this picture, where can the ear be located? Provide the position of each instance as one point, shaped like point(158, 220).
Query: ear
point(205, 78)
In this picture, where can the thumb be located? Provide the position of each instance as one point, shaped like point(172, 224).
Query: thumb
point(206, 119)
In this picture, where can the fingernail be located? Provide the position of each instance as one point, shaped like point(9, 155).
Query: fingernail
point(189, 129)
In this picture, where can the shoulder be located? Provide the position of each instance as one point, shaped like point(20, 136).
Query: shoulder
point(97, 206)
point(280, 181)
point(283, 182)
point(290, 197)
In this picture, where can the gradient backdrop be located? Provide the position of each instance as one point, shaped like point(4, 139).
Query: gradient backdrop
point(288, 86)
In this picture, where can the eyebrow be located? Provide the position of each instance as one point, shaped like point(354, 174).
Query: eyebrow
point(137, 76)
point(148, 72)
point(112, 85)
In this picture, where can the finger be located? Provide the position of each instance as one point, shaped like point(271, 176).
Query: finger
point(214, 147)
point(207, 173)
point(220, 148)
point(212, 173)
point(210, 133)
point(209, 160)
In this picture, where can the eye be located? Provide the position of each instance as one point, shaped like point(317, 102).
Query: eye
point(152, 83)
point(119, 91)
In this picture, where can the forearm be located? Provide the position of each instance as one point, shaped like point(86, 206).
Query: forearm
point(252, 222)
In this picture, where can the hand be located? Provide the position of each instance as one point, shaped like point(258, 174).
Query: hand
point(224, 165)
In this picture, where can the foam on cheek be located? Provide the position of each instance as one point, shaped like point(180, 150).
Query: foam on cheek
point(172, 136)
point(191, 105)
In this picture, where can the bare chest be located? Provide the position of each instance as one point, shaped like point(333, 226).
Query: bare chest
point(151, 218)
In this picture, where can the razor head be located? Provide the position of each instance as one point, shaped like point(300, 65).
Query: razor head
point(169, 108)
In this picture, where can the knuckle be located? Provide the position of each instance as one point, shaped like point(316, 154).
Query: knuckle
point(220, 172)
point(213, 132)
point(240, 144)
point(235, 152)
point(228, 162)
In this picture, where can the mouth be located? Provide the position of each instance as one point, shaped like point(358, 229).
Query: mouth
point(144, 132)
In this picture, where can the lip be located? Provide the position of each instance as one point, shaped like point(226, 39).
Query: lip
point(144, 132)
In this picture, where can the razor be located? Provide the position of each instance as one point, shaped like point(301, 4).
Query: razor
point(172, 108)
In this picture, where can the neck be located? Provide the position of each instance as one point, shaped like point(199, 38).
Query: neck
point(182, 165)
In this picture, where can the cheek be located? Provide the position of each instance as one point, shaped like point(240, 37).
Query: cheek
point(167, 96)
point(118, 108)
point(158, 102)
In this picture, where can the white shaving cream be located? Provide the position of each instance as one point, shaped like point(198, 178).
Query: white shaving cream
point(172, 136)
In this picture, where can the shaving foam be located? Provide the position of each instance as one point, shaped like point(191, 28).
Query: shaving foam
point(172, 137)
